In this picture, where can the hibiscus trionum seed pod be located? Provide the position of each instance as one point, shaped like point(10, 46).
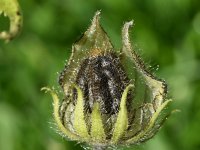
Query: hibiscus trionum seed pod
point(110, 99)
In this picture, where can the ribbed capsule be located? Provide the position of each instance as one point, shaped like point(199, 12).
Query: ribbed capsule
point(110, 98)
point(103, 80)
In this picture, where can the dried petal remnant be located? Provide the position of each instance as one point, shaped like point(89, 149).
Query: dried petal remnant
point(109, 97)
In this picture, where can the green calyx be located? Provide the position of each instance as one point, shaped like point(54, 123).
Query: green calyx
point(97, 133)
point(94, 134)
point(100, 107)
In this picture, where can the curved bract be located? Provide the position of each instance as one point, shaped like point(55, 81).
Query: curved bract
point(110, 98)
point(11, 9)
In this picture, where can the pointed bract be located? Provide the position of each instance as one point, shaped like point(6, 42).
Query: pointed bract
point(94, 42)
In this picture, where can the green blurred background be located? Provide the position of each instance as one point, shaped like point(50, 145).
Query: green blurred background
point(166, 33)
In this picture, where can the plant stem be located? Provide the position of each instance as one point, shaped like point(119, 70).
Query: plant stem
point(99, 148)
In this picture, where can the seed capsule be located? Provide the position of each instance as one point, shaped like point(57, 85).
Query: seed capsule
point(102, 80)
point(110, 98)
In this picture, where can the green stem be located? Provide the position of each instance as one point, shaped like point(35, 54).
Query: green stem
point(99, 148)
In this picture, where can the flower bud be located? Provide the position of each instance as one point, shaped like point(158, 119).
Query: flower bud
point(110, 98)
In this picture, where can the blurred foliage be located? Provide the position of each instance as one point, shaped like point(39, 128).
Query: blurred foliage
point(165, 33)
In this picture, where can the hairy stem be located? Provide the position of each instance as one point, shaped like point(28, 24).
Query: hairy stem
point(99, 148)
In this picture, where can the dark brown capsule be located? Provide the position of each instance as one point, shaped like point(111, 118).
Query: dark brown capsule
point(103, 80)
